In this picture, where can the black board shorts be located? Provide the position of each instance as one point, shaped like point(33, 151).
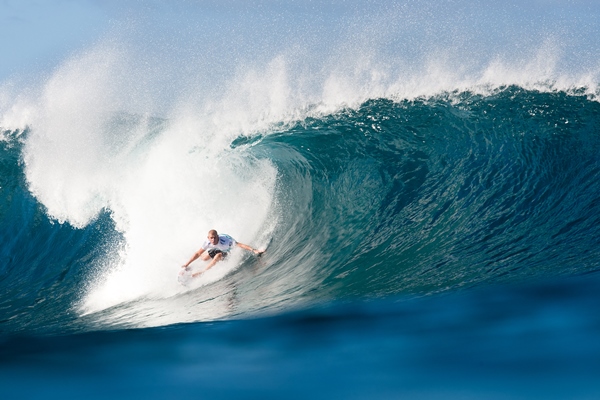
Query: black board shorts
point(213, 252)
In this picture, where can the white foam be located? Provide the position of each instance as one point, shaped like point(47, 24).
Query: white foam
point(164, 189)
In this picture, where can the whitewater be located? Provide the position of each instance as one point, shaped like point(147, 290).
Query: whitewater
point(425, 176)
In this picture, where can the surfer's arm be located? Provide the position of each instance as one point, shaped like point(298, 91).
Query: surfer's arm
point(246, 247)
point(194, 258)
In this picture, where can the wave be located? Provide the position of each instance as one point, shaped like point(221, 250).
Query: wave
point(392, 198)
point(397, 152)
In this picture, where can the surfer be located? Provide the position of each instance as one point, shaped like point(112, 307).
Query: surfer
point(216, 247)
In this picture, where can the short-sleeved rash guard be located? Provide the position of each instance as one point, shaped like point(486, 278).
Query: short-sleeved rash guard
point(225, 244)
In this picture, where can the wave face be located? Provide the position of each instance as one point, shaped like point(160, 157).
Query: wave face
point(433, 195)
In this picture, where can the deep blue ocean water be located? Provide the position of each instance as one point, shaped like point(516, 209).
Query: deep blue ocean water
point(432, 240)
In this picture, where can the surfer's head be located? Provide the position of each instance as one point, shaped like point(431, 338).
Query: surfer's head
point(213, 236)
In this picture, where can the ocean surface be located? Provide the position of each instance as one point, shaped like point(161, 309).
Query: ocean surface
point(432, 230)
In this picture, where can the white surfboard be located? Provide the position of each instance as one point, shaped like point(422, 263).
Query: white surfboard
point(184, 277)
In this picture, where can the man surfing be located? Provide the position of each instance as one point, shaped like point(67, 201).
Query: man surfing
point(217, 248)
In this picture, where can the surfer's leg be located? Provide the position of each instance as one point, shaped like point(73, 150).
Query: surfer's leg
point(218, 257)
